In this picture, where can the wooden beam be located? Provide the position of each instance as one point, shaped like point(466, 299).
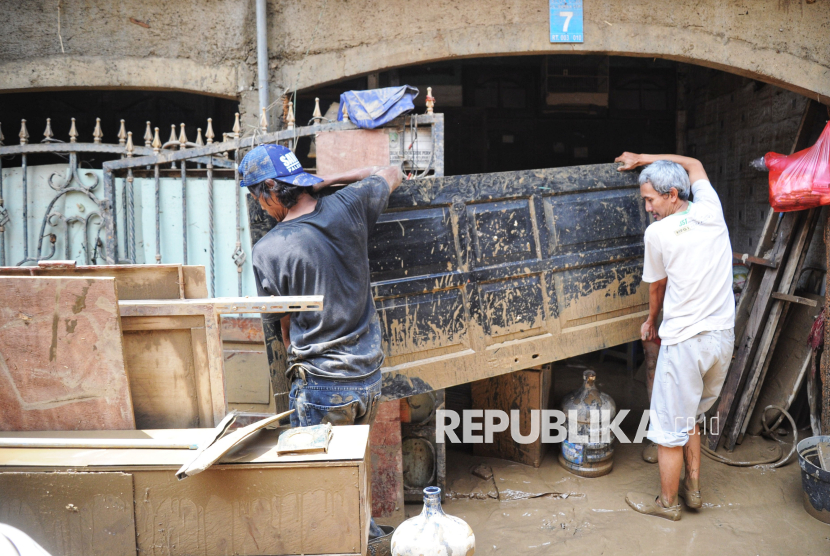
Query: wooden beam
point(794, 299)
point(747, 258)
point(221, 305)
point(748, 342)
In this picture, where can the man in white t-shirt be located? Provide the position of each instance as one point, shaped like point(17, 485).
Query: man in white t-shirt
point(688, 262)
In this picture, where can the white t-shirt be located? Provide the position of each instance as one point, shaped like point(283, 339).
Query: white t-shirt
point(692, 248)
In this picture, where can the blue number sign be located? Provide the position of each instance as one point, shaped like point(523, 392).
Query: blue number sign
point(566, 21)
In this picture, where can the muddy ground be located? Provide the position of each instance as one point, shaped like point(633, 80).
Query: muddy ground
point(523, 510)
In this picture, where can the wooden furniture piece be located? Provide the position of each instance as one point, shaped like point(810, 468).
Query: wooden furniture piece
point(247, 377)
point(134, 281)
point(173, 351)
point(525, 390)
point(251, 502)
point(61, 356)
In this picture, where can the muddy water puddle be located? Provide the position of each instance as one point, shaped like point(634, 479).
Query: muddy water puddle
point(523, 510)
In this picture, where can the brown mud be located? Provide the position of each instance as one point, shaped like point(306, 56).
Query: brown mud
point(523, 510)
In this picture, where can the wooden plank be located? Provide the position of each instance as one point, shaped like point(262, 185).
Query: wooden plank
point(341, 151)
point(246, 376)
point(185, 322)
point(195, 282)
point(61, 355)
point(526, 390)
point(746, 258)
point(215, 367)
point(772, 328)
point(204, 389)
point(163, 378)
point(133, 281)
point(736, 376)
point(795, 299)
point(222, 305)
point(789, 364)
point(72, 514)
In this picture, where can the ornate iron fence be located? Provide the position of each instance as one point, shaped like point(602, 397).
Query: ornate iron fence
point(178, 157)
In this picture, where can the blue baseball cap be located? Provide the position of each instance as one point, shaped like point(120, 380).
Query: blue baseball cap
point(273, 162)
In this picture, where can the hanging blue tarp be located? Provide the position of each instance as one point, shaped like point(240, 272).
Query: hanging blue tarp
point(375, 107)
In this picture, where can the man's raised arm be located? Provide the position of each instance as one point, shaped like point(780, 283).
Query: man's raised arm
point(392, 175)
point(692, 165)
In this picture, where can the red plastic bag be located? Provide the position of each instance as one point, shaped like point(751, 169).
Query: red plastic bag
point(801, 180)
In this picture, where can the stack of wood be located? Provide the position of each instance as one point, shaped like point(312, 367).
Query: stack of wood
point(772, 358)
point(115, 348)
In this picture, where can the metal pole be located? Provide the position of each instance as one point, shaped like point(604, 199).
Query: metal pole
point(262, 52)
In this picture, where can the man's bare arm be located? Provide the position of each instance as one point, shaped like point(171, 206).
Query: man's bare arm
point(692, 165)
point(656, 295)
point(392, 175)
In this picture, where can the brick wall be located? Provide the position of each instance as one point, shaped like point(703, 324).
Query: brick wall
point(731, 120)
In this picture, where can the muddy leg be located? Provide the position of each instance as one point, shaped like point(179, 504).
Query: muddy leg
point(691, 454)
point(670, 461)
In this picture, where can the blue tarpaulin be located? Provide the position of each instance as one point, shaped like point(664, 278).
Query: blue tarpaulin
point(375, 107)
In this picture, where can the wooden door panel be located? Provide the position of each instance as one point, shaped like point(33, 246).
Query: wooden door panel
point(479, 275)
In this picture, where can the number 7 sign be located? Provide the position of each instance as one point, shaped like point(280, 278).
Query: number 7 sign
point(566, 21)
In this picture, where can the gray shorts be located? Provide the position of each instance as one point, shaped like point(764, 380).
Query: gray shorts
point(687, 381)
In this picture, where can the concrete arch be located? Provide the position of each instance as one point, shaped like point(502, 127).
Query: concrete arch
point(783, 42)
point(78, 72)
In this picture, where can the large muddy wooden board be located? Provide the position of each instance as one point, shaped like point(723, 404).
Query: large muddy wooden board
point(479, 275)
point(61, 355)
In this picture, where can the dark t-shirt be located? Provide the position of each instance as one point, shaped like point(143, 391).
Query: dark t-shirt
point(325, 253)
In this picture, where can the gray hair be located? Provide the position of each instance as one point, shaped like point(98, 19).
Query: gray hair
point(663, 175)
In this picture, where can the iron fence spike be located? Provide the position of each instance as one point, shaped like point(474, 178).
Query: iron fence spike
point(24, 133)
point(47, 133)
point(263, 121)
point(317, 115)
point(289, 120)
point(97, 133)
point(236, 127)
point(430, 100)
point(122, 133)
point(199, 140)
point(172, 134)
point(156, 142)
point(209, 131)
point(73, 132)
point(148, 136)
point(182, 137)
point(130, 148)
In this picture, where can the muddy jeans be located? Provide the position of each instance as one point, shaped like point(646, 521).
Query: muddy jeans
point(327, 400)
point(339, 402)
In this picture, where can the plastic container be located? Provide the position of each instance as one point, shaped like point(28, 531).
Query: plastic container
point(588, 459)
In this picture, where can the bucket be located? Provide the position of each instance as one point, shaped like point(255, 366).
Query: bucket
point(814, 480)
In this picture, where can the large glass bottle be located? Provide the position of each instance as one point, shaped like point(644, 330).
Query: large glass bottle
point(432, 532)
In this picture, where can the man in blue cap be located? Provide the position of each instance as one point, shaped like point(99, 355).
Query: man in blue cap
point(320, 247)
